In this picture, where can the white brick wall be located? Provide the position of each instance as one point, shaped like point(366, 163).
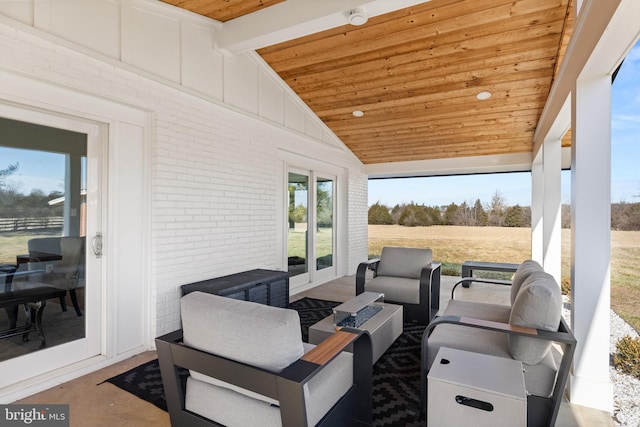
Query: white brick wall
point(214, 172)
point(357, 219)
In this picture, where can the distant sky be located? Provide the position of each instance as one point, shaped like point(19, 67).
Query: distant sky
point(36, 170)
point(515, 188)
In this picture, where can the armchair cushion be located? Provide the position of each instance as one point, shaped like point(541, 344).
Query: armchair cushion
point(403, 262)
point(524, 270)
point(398, 289)
point(538, 305)
point(477, 310)
point(234, 406)
point(221, 326)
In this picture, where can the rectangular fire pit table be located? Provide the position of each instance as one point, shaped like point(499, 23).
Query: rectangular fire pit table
point(384, 326)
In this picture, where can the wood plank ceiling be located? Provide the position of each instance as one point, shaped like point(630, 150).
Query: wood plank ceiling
point(415, 74)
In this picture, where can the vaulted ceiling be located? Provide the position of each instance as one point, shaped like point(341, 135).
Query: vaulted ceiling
point(415, 73)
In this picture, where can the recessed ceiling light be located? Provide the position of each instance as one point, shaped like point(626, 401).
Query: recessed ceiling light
point(358, 113)
point(358, 17)
point(483, 95)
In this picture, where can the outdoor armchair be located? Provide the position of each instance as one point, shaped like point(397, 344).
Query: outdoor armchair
point(57, 262)
point(249, 366)
point(405, 276)
point(531, 330)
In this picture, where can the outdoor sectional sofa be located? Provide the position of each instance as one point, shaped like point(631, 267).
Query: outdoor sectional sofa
point(531, 330)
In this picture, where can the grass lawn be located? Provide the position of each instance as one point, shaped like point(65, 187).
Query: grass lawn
point(453, 245)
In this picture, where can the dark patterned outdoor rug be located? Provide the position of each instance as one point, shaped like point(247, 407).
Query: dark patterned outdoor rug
point(396, 375)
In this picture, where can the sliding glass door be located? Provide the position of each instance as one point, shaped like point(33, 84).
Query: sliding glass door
point(310, 232)
point(50, 213)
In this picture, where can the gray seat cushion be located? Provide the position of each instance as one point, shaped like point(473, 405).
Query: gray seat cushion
point(403, 262)
point(397, 289)
point(232, 406)
point(479, 310)
point(537, 305)
point(524, 270)
point(221, 326)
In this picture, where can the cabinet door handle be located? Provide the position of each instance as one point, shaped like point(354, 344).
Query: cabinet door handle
point(474, 403)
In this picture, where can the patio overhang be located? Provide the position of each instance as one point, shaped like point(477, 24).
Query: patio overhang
point(412, 73)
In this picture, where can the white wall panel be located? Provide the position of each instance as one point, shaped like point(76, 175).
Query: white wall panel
point(241, 83)
point(270, 99)
point(151, 41)
point(168, 42)
point(20, 10)
point(313, 127)
point(202, 66)
point(294, 115)
point(127, 182)
point(93, 24)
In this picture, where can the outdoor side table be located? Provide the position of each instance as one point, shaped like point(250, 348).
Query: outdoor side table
point(467, 388)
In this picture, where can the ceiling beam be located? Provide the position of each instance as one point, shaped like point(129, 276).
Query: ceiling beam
point(297, 18)
point(454, 166)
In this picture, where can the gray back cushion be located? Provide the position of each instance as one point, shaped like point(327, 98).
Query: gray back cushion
point(524, 270)
point(538, 305)
point(251, 333)
point(403, 262)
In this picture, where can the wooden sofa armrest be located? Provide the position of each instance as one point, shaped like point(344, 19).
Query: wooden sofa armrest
point(285, 386)
point(361, 273)
point(468, 280)
point(324, 352)
point(563, 336)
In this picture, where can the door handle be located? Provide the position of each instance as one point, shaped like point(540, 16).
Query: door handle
point(97, 245)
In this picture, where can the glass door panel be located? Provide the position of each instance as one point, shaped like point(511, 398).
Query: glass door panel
point(297, 236)
point(44, 177)
point(42, 191)
point(324, 223)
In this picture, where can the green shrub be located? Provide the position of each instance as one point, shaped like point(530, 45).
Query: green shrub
point(627, 357)
point(450, 269)
point(379, 214)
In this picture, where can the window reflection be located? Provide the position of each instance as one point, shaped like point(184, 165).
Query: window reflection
point(42, 243)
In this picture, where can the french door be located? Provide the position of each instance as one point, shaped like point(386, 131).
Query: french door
point(311, 233)
point(52, 189)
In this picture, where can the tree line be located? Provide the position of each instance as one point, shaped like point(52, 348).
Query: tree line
point(624, 216)
point(14, 204)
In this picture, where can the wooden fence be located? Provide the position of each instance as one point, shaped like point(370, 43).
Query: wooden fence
point(26, 224)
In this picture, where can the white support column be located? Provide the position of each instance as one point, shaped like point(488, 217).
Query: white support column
point(590, 384)
point(537, 208)
point(552, 232)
